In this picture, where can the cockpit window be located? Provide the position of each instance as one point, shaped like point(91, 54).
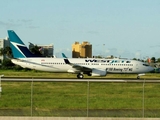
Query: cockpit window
point(145, 64)
point(128, 61)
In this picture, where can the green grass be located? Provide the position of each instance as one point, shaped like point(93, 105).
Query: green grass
point(70, 99)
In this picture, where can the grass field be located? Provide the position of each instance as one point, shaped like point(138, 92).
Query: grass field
point(70, 98)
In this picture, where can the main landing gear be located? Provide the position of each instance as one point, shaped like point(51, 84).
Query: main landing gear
point(138, 76)
point(80, 76)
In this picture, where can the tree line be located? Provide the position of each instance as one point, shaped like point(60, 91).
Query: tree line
point(7, 54)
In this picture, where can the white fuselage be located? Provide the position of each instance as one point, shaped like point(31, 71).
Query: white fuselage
point(59, 65)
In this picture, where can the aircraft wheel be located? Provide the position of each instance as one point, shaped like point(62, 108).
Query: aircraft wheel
point(138, 77)
point(80, 76)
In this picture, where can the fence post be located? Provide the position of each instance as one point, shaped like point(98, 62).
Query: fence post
point(32, 98)
point(87, 98)
point(143, 99)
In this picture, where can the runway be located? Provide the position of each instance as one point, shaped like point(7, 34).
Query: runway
point(81, 80)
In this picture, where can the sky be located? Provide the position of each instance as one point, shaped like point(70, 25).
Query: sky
point(122, 28)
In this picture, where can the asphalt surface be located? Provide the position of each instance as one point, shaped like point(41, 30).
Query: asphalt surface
point(81, 80)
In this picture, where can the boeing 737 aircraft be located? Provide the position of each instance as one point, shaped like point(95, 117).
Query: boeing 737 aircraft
point(80, 66)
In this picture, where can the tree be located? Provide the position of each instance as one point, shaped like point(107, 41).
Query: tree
point(158, 60)
point(153, 59)
point(134, 58)
point(35, 50)
point(7, 63)
point(5, 52)
point(1, 51)
point(8, 52)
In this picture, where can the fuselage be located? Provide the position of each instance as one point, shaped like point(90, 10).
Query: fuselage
point(58, 65)
point(89, 66)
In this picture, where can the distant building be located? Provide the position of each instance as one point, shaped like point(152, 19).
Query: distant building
point(76, 48)
point(83, 50)
point(46, 50)
point(4, 43)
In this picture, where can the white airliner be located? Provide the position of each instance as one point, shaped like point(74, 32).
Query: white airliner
point(90, 66)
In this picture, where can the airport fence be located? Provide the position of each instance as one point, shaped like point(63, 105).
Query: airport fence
point(80, 99)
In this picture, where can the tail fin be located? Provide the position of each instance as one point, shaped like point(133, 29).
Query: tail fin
point(19, 49)
point(63, 55)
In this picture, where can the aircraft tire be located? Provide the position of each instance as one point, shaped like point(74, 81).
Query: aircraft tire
point(80, 76)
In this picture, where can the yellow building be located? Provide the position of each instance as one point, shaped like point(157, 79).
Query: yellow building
point(83, 50)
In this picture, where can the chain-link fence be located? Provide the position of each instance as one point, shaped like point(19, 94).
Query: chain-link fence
point(80, 99)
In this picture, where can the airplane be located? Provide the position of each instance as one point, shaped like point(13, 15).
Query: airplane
point(80, 66)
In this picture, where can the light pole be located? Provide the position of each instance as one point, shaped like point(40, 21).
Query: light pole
point(103, 50)
point(0, 84)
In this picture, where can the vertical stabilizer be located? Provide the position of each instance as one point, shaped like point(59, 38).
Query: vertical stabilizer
point(19, 49)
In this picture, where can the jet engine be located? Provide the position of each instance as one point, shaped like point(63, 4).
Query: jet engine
point(98, 72)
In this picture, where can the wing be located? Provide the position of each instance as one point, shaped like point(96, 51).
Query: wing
point(78, 67)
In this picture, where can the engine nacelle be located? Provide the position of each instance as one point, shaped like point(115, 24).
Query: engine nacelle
point(98, 72)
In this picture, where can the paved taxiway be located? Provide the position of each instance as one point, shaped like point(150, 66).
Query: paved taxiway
point(81, 80)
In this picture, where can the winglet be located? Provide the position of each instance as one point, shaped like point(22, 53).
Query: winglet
point(63, 55)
